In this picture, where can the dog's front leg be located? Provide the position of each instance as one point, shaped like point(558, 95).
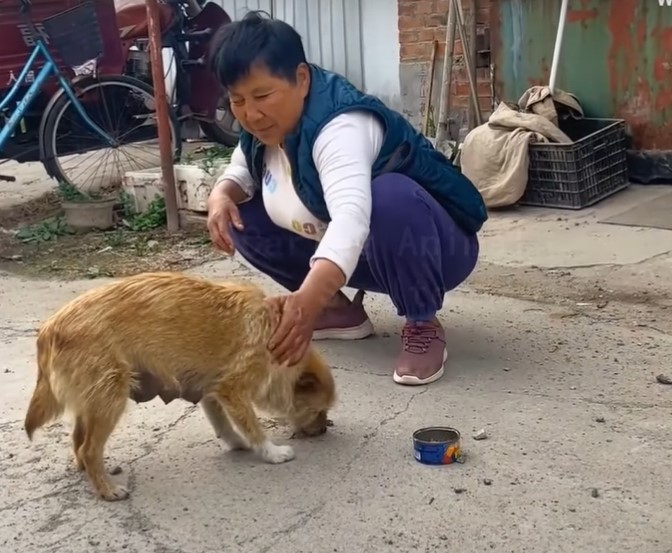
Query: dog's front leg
point(241, 413)
point(220, 422)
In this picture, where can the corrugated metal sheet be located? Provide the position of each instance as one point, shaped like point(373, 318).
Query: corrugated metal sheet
point(616, 57)
point(331, 33)
point(238, 8)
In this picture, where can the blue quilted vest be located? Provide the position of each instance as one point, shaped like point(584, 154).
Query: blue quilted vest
point(404, 151)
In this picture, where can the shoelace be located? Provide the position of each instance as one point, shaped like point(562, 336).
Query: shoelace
point(416, 339)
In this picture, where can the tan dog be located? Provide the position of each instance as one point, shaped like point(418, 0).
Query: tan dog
point(174, 336)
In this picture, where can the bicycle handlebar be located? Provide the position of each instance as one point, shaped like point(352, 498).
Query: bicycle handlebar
point(24, 10)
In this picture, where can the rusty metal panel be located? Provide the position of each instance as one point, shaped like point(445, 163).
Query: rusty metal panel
point(17, 42)
point(616, 58)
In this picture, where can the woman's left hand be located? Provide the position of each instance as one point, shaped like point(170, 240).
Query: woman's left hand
point(291, 339)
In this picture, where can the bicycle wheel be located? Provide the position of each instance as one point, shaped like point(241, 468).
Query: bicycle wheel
point(123, 107)
point(225, 129)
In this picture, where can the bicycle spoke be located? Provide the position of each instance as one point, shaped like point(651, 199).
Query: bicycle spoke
point(126, 148)
point(121, 109)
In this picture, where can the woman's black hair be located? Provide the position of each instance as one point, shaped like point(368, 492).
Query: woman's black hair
point(256, 39)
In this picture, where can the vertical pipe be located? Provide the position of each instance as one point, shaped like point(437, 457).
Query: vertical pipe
point(558, 45)
point(444, 99)
point(473, 53)
point(161, 101)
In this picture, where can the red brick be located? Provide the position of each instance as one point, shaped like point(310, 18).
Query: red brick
point(425, 7)
point(428, 35)
point(459, 102)
point(415, 52)
point(406, 7)
point(483, 88)
point(436, 20)
point(486, 105)
point(409, 37)
point(462, 89)
point(411, 22)
point(421, 22)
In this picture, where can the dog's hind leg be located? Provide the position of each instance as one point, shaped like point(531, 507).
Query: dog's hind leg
point(78, 434)
point(99, 422)
point(220, 422)
point(241, 413)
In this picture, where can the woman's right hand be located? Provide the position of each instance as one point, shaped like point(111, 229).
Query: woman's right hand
point(222, 212)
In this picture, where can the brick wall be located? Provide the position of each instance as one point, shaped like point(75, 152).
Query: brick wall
point(420, 23)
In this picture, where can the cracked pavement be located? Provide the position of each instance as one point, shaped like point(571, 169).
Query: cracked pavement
point(577, 458)
point(537, 383)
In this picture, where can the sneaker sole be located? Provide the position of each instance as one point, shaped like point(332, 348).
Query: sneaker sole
point(407, 380)
point(353, 333)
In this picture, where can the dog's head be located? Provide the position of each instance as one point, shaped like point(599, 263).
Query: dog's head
point(314, 394)
point(308, 390)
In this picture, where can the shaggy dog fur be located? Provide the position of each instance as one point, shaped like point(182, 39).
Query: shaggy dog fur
point(174, 336)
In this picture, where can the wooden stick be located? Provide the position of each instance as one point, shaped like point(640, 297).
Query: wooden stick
point(428, 105)
point(467, 61)
point(444, 102)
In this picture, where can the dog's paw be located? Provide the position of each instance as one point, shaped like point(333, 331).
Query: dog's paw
point(276, 454)
point(114, 493)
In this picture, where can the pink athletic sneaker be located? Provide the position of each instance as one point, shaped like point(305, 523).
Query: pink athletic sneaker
point(423, 354)
point(344, 323)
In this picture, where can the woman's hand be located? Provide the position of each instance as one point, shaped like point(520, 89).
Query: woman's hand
point(291, 339)
point(301, 309)
point(222, 211)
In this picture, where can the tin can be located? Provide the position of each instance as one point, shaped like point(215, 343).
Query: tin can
point(436, 445)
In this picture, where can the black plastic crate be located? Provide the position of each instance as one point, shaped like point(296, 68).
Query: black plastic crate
point(75, 34)
point(581, 173)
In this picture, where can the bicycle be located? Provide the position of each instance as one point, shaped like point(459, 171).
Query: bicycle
point(76, 37)
point(187, 28)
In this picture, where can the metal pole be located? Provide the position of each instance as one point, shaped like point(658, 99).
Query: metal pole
point(558, 45)
point(444, 100)
point(473, 53)
point(163, 120)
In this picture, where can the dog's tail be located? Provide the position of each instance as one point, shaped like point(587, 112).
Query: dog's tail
point(44, 406)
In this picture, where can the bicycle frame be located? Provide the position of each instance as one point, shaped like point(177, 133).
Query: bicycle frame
point(49, 69)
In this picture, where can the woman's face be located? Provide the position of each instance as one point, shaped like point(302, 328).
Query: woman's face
point(269, 107)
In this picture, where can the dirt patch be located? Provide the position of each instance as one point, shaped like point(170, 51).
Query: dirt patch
point(560, 286)
point(35, 241)
point(115, 253)
point(30, 212)
point(599, 295)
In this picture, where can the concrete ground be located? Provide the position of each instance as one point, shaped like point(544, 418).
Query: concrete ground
point(579, 444)
point(31, 182)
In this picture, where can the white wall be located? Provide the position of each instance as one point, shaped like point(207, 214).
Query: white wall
point(380, 43)
point(357, 38)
